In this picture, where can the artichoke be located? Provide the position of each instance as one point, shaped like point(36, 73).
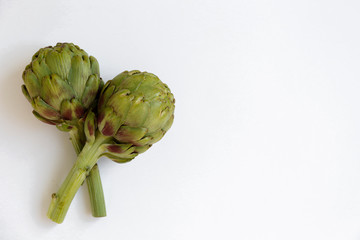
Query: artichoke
point(62, 84)
point(135, 110)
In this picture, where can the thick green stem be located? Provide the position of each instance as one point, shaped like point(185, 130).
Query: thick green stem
point(86, 160)
point(96, 192)
point(93, 180)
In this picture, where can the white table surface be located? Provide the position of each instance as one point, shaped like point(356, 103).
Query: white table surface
point(266, 139)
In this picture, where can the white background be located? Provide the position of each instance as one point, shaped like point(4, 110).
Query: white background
point(266, 139)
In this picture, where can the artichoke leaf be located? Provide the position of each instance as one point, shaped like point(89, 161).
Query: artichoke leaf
point(91, 90)
point(90, 127)
point(45, 110)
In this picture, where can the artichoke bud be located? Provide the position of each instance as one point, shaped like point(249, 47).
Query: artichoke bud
point(61, 82)
point(135, 108)
point(90, 127)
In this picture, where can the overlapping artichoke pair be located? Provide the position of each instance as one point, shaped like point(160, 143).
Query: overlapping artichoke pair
point(119, 120)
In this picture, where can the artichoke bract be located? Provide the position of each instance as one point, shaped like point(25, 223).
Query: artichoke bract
point(135, 110)
point(62, 83)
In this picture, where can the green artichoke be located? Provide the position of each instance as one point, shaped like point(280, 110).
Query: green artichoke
point(62, 84)
point(135, 110)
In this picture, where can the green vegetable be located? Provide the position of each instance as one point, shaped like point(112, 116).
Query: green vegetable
point(135, 110)
point(62, 84)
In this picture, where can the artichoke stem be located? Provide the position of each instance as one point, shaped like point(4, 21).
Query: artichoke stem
point(96, 193)
point(93, 180)
point(86, 160)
